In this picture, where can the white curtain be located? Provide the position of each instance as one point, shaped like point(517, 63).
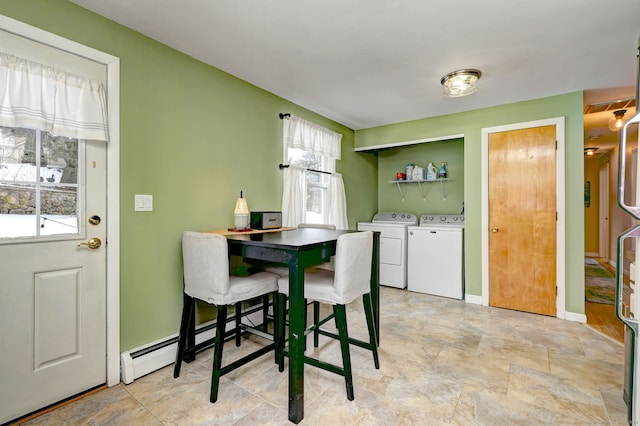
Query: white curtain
point(294, 196)
point(308, 136)
point(305, 135)
point(337, 202)
point(49, 99)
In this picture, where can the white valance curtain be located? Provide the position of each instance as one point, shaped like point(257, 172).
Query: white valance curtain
point(302, 134)
point(38, 96)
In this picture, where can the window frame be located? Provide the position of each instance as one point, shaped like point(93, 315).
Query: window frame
point(328, 166)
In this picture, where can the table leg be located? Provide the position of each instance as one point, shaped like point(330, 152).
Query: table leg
point(296, 342)
point(375, 283)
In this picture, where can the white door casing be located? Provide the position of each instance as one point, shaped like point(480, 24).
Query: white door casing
point(53, 291)
point(603, 213)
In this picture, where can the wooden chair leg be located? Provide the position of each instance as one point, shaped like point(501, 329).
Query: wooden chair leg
point(373, 340)
point(341, 323)
point(280, 318)
point(316, 321)
point(276, 327)
point(265, 312)
point(185, 325)
point(217, 351)
point(238, 315)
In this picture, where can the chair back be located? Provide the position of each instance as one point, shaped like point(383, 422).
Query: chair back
point(352, 276)
point(317, 225)
point(206, 266)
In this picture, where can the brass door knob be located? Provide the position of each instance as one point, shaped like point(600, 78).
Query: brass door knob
point(494, 230)
point(93, 243)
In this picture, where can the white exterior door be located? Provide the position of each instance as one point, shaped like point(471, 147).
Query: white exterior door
point(59, 302)
point(53, 291)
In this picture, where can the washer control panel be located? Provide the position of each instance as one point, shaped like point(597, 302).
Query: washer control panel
point(441, 219)
point(395, 217)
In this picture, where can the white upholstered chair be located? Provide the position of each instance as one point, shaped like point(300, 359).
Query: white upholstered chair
point(283, 271)
point(351, 279)
point(206, 277)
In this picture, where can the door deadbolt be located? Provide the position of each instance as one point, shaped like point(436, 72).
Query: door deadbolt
point(95, 220)
point(93, 243)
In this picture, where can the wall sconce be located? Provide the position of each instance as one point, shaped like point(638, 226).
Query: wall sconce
point(461, 82)
point(616, 122)
point(241, 214)
point(590, 151)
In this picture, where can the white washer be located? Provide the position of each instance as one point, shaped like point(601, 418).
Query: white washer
point(393, 245)
point(435, 256)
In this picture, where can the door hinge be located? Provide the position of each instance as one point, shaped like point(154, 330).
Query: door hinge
point(556, 290)
point(556, 216)
point(556, 145)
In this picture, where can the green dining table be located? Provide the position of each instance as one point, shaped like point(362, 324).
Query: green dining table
point(300, 249)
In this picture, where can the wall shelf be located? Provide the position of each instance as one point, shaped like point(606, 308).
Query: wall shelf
point(420, 182)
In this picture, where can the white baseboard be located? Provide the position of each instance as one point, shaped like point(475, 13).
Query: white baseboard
point(133, 367)
point(473, 299)
point(143, 360)
point(590, 254)
point(572, 316)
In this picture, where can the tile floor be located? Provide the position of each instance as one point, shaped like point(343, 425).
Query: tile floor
point(442, 362)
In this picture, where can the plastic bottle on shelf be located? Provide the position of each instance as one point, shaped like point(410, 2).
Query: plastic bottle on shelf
point(409, 171)
point(442, 174)
point(432, 173)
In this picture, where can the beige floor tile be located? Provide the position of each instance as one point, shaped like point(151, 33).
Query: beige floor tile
point(442, 361)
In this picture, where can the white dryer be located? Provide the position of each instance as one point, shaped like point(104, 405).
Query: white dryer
point(393, 245)
point(435, 260)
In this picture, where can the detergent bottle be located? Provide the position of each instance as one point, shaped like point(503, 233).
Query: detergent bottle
point(432, 173)
point(409, 171)
point(442, 174)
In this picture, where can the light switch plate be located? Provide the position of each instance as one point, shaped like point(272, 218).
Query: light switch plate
point(143, 203)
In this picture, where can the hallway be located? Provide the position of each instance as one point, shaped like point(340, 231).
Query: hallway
point(602, 316)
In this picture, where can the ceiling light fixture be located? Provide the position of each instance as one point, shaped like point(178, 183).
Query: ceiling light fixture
point(461, 82)
point(590, 151)
point(616, 122)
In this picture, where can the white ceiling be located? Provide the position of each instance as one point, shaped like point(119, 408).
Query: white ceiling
point(366, 63)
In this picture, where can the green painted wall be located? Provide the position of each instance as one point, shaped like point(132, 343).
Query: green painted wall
point(423, 197)
point(193, 137)
point(470, 124)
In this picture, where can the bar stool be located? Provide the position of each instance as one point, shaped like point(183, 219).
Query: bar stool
point(283, 271)
point(351, 278)
point(206, 277)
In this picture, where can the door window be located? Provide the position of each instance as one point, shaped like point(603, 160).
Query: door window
point(39, 191)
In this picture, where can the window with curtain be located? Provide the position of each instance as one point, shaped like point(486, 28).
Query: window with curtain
point(45, 115)
point(312, 191)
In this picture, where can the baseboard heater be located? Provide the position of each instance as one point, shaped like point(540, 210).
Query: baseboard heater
point(153, 356)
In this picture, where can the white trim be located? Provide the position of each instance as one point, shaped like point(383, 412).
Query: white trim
point(591, 254)
point(560, 205)
point(604, 212)
point(413, 142)
point(473, 299)
point(575, 317)
point(113, 223)
point(113, 172)
point(133, 368)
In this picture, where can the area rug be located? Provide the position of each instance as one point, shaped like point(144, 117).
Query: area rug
point(600, 283)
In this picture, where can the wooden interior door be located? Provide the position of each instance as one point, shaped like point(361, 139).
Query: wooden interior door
point(522, 220)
